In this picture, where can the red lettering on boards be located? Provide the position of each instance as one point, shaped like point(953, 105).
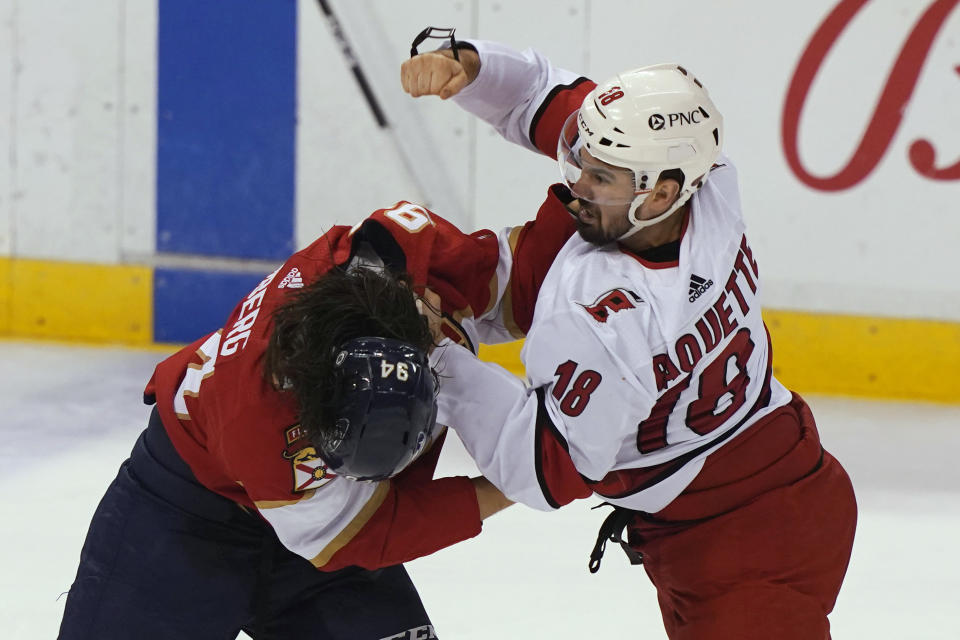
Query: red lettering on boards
point(888, 113)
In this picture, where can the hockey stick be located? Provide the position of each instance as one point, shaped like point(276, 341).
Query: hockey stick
point(405, 126)
point(355, 68)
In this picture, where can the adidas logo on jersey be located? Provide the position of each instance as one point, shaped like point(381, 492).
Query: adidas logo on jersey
point(698, 286)
point(292, 280)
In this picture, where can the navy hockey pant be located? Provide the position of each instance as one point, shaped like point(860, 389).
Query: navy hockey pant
point(165, 558)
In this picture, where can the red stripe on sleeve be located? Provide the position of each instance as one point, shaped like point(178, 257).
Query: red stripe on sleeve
point(553, 112)
point(559, 479)
point(537, 244)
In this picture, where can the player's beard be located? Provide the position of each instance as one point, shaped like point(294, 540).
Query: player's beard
point(592, 234)
point(592, 229)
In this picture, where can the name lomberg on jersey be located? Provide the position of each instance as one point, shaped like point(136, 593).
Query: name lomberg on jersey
point(236, 338)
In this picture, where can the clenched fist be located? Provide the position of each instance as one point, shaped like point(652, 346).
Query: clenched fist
point(437, 73)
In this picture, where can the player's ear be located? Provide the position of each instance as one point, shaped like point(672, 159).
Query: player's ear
point(664, 193)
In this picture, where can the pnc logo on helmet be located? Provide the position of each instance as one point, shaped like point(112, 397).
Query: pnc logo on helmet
point(658, 122)
point(658, 102)
point(690, 117)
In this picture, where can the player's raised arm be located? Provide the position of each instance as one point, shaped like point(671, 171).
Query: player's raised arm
point(521, 94)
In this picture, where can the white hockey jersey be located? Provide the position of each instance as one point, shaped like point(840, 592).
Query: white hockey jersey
point(637, 370)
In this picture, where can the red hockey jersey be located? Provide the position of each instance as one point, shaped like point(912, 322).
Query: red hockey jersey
point(242, 439)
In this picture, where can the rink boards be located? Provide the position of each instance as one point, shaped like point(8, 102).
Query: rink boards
point(164, 158)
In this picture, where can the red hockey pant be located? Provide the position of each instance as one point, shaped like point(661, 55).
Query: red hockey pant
point(757, 546)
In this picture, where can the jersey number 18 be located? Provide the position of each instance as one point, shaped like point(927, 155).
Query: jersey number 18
point(718, 397)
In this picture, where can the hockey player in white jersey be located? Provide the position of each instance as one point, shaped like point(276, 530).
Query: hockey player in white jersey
point(649, 366)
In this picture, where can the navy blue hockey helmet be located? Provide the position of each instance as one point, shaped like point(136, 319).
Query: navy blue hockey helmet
point(388, 409)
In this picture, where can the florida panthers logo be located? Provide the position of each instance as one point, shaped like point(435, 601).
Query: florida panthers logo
point(611, 302)
point(309, 469)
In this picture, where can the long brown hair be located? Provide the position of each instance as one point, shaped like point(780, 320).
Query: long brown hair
point(309, 329)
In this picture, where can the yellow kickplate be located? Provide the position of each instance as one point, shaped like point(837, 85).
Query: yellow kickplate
point(5, 293)
point(507, 355)
point(817, 353)
point(864, 356)
point(85, 302)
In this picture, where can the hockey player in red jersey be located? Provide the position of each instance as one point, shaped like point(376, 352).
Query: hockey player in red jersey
point(649, 367)
point(287, 469)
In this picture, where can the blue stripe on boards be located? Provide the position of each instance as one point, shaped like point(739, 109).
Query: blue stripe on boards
point(226, 127)
point(188, 304)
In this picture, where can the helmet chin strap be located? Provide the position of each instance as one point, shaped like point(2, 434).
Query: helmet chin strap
point(643, 224)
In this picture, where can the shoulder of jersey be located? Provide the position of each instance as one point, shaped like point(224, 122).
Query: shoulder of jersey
point(590, 285)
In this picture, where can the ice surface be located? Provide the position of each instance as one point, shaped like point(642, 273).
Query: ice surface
point(69, 415)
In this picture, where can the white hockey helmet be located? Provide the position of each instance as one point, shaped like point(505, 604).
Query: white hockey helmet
point(648, 120)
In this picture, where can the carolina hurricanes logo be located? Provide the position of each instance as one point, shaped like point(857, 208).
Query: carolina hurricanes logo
point(611, 302)
point(888, 113)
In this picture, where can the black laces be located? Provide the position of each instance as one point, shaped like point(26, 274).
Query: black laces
point(612, 530)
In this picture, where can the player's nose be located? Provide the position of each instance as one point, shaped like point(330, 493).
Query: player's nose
point(582, 187)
